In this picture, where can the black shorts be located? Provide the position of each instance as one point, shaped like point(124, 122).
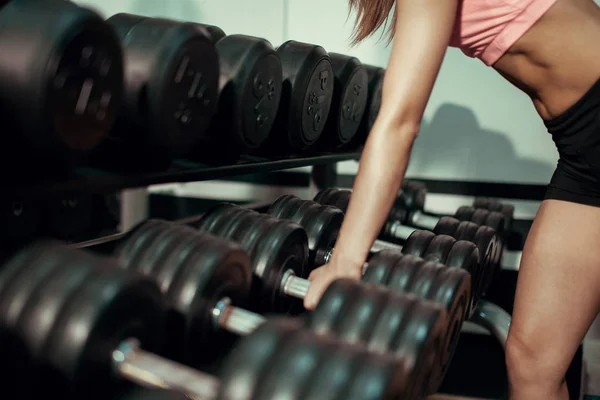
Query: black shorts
point(576, 134)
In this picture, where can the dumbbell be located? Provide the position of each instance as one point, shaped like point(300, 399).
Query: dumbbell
point(448, 286)
point(465, 226)
point(375, 76)
point(349, 102)
point(403, 273)
point(322, 225)
point(217, 272)
point(250, 87)
point(171, 87)
point(413, 194)
point(484, 212)
point(308, 82)
point(74, 325)
point(406, 273)
point(279, 247)
point(498, 217)
point(61, 80)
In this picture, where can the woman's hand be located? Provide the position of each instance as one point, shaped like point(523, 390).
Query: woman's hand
point(323, 276)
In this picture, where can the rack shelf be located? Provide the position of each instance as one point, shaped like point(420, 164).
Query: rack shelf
point(92, 180)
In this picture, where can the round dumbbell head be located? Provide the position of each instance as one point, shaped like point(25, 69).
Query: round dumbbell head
point(305, 104)
point(215, 32)
point(439, 248)
point(194, 271)
point(464, 213)
point(339, 198)
point(449, 287)
point(63, 82)
point(72, 309)
point(349, 102)
point(275, 248)
point(414, 194)
point(493, 219)
point(479, 216)
point(465, 255)
point(375, 77)
point(506, 210)
point(386, 322)
point(490, 250)
point(281, 359)
point(418, 242)
point(171, 80)
point(447, 250)
point(446, 226)
point(321, 223)
point(250, 91)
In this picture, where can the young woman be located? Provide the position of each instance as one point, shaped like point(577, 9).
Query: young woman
point(549, 49)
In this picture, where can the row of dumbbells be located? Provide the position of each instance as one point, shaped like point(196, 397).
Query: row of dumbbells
point(165, 90)
point(77, 324)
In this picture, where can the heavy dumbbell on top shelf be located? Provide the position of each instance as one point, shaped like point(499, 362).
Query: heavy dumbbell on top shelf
point(61, 80)
point(375, 78)
point(306, 98)
point(465, 226)
point(74, 324)
point(249, 93)
point(349, 102)
point(413, 194)
point(205, 279)
point(171, 88)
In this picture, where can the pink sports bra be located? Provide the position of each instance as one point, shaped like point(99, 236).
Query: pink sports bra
point(486, 29)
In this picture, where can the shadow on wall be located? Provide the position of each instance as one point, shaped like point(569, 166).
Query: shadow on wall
point(184, 10)
point(454, 144)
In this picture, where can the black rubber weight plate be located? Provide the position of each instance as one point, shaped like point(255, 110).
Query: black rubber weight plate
point(16, 359)
point(244, 367)
point(111, 306)
point(418, 241)
point(321, 223)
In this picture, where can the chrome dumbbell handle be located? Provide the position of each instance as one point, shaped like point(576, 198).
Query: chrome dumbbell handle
point(235, 319)
point(378, 245)
point(423, 220)
point(398, 231)
point(152, 371)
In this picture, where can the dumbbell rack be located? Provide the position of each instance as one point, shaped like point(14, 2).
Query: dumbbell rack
point(100, 181)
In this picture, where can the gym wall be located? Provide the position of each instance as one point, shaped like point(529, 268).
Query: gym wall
point(476, 128)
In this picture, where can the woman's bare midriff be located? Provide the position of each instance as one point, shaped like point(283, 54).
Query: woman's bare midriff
point(558, 59)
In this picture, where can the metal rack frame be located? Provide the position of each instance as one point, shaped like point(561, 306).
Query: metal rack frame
point(99, 181)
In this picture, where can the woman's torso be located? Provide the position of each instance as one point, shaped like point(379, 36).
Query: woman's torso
point(555, 61)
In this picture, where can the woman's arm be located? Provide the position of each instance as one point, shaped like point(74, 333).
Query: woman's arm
point(423, 29)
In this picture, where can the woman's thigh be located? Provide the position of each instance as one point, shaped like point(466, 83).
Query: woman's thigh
point(558, 290)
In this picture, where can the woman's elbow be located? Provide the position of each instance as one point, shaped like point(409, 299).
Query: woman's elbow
point(397, 126)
